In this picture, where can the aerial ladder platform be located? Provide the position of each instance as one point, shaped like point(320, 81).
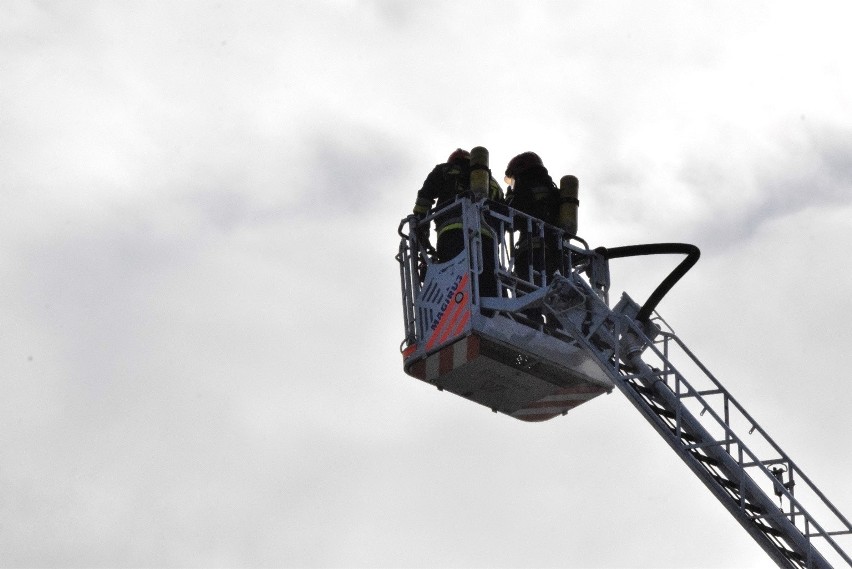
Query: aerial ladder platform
point(543, 346)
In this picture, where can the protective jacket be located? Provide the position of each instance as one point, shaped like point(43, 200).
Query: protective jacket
point(443, 184)
point(536, 195)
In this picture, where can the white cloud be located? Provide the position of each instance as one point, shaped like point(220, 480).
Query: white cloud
point(200, 300)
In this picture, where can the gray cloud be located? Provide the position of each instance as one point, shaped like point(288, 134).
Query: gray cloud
point(808, 167)
point(351, 169)
point(200, 304)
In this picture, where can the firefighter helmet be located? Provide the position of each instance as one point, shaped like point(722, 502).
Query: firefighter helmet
point(523, 162)
point(459, 154)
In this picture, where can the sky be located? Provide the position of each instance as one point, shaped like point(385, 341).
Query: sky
point(200, 314)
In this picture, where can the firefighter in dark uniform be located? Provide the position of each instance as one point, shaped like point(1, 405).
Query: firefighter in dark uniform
point(443, 185)
point(533, 192)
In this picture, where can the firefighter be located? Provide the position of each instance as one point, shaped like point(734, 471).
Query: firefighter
point(442, 186)
point(533, 192)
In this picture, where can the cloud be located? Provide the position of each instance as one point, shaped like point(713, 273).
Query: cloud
point(802, 167)
point(346, 168)
point(200, 301)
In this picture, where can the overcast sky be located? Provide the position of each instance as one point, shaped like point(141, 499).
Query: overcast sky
point(199, 303)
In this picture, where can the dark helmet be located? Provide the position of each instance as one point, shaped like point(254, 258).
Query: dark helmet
point(459, 154)
point(522, 163)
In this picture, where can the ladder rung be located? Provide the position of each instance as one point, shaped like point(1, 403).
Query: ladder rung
point(701, 393)
point(726, 483)
point(752, 508)
point(769, 530)
point(642, 390)
point(684, 436)
point(792, 555)
point(663, 412)
point(766, 463)
point(832, 533)
point(705, 459)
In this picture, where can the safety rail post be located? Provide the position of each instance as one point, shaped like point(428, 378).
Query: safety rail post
point(409, 284)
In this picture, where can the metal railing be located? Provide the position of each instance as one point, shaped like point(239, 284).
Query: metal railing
point(525, 252)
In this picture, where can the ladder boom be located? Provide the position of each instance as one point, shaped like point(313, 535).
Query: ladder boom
point(707, 438)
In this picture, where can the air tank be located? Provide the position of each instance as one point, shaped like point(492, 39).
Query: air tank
point(568, 189)
point(479, 173)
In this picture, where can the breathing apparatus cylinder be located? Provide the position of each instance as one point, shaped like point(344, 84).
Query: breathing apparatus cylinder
point(479, 173)
point(568, 189)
